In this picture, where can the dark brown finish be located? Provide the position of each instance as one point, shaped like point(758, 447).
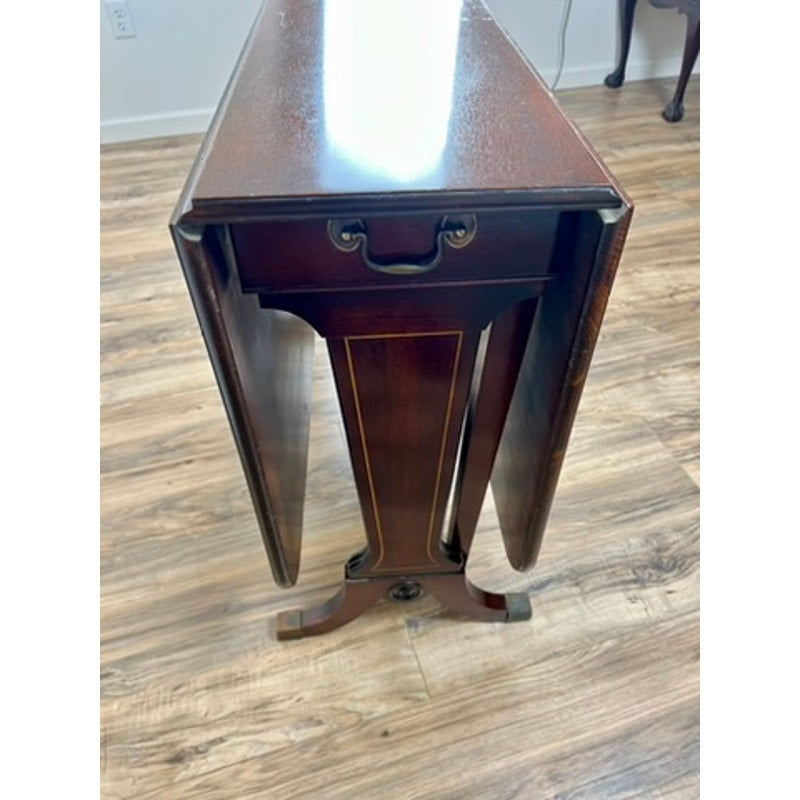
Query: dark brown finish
point(673, 111)
point(403, 396)
point(280, 139)
point(486, 417)
point(262, 360)
point(552, 374)
point(504, 246)
point(510, 221)
point(355, 596)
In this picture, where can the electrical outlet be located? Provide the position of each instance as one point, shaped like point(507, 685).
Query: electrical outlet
point(121, 20)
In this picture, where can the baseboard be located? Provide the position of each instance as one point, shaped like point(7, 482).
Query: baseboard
point(197, 120)
point(635, 71)
point(190, 120)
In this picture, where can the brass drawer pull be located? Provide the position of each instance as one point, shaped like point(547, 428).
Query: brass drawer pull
point(350, 235)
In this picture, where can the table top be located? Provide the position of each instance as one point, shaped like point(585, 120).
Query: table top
point(346, 100)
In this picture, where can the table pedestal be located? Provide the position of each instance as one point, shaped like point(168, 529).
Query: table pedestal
point(355, 596)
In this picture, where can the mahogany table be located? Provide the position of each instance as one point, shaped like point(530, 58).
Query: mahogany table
point(397, 179)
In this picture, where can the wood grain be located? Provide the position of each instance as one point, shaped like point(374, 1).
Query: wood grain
point(292, 133)
point(596, 696)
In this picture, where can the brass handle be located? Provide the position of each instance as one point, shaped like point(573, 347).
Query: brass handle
point(350, 235)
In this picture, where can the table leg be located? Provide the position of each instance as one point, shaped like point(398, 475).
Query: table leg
point(486, 417)
point(403, 397)
point(353, 598)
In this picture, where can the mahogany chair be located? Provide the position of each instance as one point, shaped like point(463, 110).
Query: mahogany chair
point(673, 111)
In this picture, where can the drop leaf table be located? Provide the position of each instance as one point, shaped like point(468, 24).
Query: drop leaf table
point(395, 178)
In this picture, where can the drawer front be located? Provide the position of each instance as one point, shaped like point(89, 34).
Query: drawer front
point(386, 251)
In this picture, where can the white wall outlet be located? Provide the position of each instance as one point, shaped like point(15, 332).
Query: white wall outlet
point(121, 20)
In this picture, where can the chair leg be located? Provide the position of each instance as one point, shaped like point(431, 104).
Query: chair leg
point(617, 77)
point(673, 111)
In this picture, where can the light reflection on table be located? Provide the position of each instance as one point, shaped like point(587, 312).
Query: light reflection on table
point(377, 124)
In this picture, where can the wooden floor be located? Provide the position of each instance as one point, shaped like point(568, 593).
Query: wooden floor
point(595, 697)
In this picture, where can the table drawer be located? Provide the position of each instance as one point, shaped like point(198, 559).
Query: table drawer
point(383, 251)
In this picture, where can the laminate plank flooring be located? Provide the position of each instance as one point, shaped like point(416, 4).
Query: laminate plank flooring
point(595, 697)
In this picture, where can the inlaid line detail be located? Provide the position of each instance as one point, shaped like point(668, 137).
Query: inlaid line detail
point(365, 447)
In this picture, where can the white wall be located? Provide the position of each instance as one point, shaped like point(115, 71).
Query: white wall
point(169, 78)
point(592, 38)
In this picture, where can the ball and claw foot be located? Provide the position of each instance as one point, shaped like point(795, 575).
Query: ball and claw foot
point(673, 112)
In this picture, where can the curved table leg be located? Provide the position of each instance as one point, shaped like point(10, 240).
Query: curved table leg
point(352, 599)
point(459, 594)
point(617, 77)
point(355, 596)
point(673, 111)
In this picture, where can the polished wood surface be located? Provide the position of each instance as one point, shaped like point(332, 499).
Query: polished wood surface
point(401, 395)
point(263, 359)
point(486, 416)
point(326, 104)
point(506, 246)
point(423, 243)
point(597, 697)
point(551, 376)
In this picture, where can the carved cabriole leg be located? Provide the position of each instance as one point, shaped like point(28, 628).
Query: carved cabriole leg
point(673, 111)
point(626, 9)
